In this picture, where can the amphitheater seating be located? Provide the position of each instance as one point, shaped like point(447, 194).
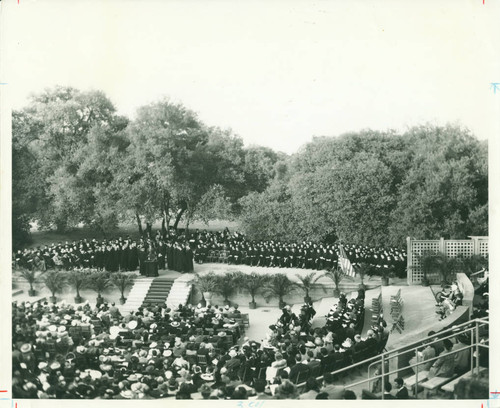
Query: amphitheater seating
point(411, 381)
point(435, 383)
point(450, 387)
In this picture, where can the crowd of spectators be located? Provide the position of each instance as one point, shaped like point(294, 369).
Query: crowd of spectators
point(177, 250)
point(78, 351)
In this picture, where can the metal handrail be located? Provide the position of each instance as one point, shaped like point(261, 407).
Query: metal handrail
point(410, 366)
point(440, 334)
point(382, 358)
point(408, 347)
point(477, 344)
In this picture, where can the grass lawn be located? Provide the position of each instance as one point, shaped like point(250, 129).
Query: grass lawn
point(49, 237)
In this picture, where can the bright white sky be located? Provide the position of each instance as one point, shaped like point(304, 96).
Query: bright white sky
point(275, 72)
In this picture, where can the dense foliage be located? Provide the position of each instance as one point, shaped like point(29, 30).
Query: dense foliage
point(376, 189)
point(75, 161)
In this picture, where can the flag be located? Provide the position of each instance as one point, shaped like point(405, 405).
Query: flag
point(345, 264)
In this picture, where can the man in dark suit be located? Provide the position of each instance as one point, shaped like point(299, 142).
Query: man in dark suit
point(402, 391)
point(297, 368)
point(313, 363)
point(327, 360)
point(387, 391)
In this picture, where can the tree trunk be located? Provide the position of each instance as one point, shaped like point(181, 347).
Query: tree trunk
point(149, 229)
point(163, 229)
point(101, 230)
point(178, 217)
point(61, 225)
point(165, 219)
point(281, 303)
point(139, 223)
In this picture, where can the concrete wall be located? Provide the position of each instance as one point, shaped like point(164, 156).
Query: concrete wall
point(460, 315)
point(467, 288)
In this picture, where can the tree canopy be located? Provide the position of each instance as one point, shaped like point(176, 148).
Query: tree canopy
point(76, 161)
point(376, 188)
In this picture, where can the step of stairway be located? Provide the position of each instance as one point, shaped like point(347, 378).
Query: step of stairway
point(137, 294)
point(158, 292)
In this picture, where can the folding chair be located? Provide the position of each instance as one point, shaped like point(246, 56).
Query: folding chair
point(222, 257)
point(212, 256)
point(75, 332)
point(97, 326)
point(86, 331)
point(50, 348)
point(229, 341)
point(202, 360)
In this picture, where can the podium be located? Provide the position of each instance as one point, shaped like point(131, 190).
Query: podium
point(151, 269)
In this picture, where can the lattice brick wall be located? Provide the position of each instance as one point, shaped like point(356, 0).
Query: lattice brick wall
point(463, 248)
point(418, 247)
point(483, 248)
point(452, 248)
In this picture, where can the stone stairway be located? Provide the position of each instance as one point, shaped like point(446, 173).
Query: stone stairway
point(158, 291)
point(180, 291)
point(137, 294)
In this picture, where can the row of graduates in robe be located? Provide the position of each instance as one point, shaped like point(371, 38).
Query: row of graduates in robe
point(307, 255)
point(176, 250)
point(112, 256)
point(175, 256)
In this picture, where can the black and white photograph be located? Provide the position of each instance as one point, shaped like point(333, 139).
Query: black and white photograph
point(248, 200)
